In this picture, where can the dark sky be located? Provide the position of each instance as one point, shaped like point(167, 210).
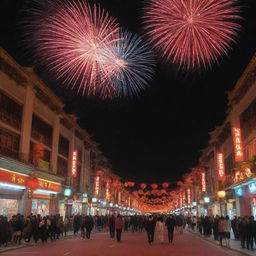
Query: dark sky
point(158, 136)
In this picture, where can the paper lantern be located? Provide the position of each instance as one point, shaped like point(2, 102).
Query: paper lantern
point(32, 184)
point(165, 185)
point(143, 186)
point(140, 192)
point(130, 184)
point(154, 186)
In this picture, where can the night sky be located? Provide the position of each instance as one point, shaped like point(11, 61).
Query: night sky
point(158, 136)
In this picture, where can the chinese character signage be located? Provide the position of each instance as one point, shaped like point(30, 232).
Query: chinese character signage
point(74, 163)
point(189, 195)
point(220, 166)
point(203, 182)
point(49, 185)
point(97, 185)
point(238, 148)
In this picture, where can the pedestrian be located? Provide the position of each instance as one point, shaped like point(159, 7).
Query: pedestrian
point(89, 223)
point(221, 229)
point(66, 225)
point(112, 220)
point(119, 226)
point(215, 228)
point(179, 225)
point(227, 224)
point(160, 229)
point(150, 228)
point(250, 233)
point(242, 229)
point(170, 224)
point(234, 225)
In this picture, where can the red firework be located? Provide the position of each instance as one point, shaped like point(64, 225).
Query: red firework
point(71, 40)
point(192, 33)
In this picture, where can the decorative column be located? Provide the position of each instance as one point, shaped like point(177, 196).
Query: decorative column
point(55, 144)
point(27, 123)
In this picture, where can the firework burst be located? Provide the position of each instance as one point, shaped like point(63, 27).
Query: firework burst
point(192, 33)
point(133, 65)
point(71, 39)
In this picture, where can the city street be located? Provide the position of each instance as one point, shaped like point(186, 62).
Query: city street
point(134, 244)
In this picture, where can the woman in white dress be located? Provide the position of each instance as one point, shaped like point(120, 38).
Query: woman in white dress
point(160, 230)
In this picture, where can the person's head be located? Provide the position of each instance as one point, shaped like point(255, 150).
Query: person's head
point(227, 217)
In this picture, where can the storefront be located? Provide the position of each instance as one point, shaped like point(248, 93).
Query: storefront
point(16, 198)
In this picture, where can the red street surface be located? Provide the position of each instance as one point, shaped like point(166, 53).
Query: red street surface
point(133, 244)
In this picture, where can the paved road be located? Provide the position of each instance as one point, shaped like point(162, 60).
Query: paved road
point(133, 244)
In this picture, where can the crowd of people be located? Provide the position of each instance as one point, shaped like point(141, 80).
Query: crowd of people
point(50, 228)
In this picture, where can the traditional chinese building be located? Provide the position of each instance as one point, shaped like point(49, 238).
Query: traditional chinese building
point(45, 157)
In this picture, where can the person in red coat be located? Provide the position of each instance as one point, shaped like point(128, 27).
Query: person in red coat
point(119, 226)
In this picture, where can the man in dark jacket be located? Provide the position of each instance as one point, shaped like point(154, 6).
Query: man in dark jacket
point(150, 228)
point(170, 223)
point(242, 228)
point(112, 226)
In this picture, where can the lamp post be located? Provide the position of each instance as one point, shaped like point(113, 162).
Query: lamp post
point(221, 195)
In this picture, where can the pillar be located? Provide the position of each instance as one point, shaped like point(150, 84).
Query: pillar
point(55, 144)
point(27, 123)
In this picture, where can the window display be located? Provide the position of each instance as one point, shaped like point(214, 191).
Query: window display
point(41, 206)
point(8, 207)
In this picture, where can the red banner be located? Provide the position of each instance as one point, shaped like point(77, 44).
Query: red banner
point(13, 177)
point(74, 163)
point(21, 179)
point(220, 166)
point(238, 147)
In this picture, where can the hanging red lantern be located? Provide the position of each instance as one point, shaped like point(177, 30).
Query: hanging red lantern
point(126, 184)
point(165, 185)
point(130, 184)
point(143, 186)
point(140, 192)
point(32, 184)
point(154, 186)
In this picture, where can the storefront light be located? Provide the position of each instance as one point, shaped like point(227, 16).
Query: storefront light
point(252, 187)
point(207, 200)
point(11, 186)
point(104, 203)
point(239, 191)
point(94, 200)
point(85, 195)
point(194, 204)
point(45, 192)
point(111, 204)
point(67, 192)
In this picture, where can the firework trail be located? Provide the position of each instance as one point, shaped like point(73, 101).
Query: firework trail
point(192, 33)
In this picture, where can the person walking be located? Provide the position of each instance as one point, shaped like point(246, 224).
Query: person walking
point(215, 228)
point(179, 225)
point(150, 228)
point(170, 224)
point(112, 220)
point(119, 226)
point(89, 223)
point(234, 225)
point(160, 229)
point(227, 227)
point(242, 229)
point(221, 229)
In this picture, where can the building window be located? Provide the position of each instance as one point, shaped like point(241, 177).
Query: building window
point(63, 146)
point(62, 168)
point(10, 111)
point(9, 143)
point(248, 120)
point(41, 131)
point(40, 156)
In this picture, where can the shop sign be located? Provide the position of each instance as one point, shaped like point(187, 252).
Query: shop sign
point(239, 191)
point(74, 163)
point(48, 185)
point(252, 187)
point(13, 177)
point(207, 200)
point(67, 192)
point(203, 182)
point(220, 166)
point(238, 148)
point(189, 195)
point(97, 185)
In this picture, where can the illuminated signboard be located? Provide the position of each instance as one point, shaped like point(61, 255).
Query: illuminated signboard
point(203, 182)
point(74, 163)
point(97, 185)
point(220, 166)
point(189, 196)
point(252, 187)
point(239, 157)
point(67, 192)
point(239, 191)
point(207, 200)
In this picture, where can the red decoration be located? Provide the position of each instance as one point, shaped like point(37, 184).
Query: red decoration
point(143, 186)
point(221, 166)
point(238, 146)
point(33, 184)
point(165, 185)
point(154, 186)
point(140, 192)
point(130, 184)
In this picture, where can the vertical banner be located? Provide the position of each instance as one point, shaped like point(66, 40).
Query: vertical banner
point(97, 185)
point(220, 166)
point(74, 163)
point(238, 147)
point(189, 196)
point(203, 177)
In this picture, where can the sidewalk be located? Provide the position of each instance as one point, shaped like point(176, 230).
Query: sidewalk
point(23, 244)
point(234, 244)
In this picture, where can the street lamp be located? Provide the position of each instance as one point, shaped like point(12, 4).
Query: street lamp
point(221, 194)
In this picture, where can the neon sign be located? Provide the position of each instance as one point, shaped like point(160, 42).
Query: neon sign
point(97, 185)
point(74, 163)
point(220, 166)
point(203, 182)
point(239, 156)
